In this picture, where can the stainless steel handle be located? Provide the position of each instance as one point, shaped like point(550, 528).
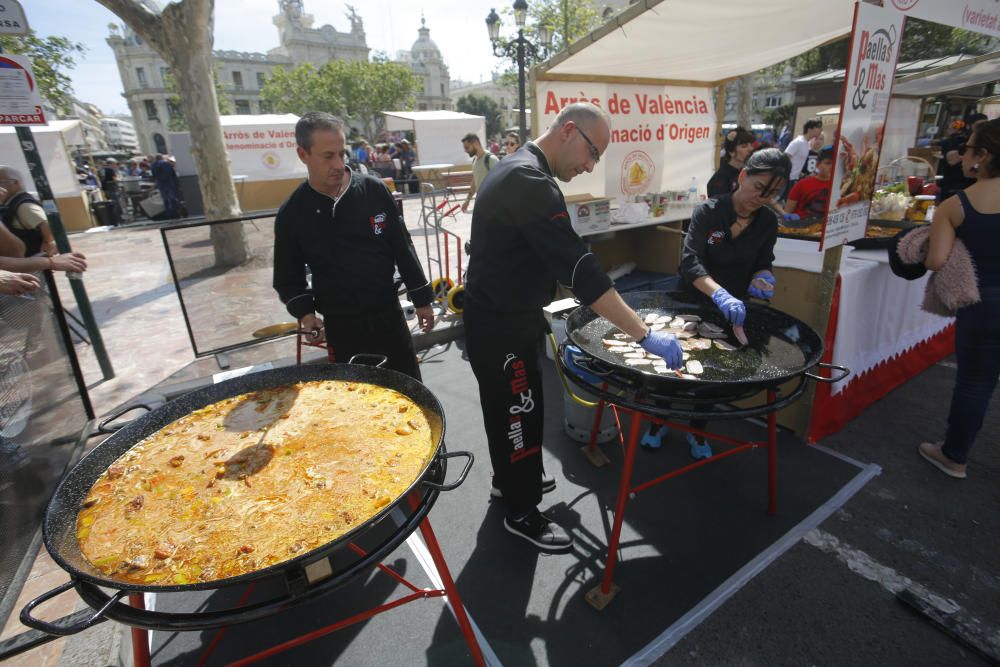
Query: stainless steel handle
point(461, 478)
point(64, 630)
point(105, 429)
point(845, 371)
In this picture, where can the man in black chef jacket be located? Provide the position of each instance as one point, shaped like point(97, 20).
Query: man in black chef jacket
point(345, 227)
point(523, 244)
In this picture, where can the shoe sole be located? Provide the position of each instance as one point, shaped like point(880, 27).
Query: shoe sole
point(547, 548)
point(940, 466)
point(546, 488)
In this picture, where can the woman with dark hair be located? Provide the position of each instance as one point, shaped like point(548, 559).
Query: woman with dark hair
point(511, 143)
point(737, 147)
point(728, 253)
point(972, 215)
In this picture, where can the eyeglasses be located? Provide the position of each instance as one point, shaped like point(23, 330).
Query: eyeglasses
point(511, 143)
point(594, 153)
point(962, 147)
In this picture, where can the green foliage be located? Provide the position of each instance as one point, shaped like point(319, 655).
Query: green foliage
point(50, 57)
point(357, 90)
point(921, 39)
point(924, 39)
point(480, 105)
point(778, 117)
point(177, 121)
point(569, 20)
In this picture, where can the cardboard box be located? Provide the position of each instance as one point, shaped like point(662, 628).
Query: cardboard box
point(589, 215)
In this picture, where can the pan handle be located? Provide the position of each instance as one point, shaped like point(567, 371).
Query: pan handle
point(65, 630)
point(103, 427)
point(461, 478)
point(366, 359)
point(844, 372)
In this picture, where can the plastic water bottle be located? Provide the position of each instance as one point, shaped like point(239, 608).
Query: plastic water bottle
point(693, 190)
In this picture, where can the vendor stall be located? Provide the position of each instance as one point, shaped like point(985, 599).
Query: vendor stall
point(262, 158)
point(54, 142)
point(438, 133)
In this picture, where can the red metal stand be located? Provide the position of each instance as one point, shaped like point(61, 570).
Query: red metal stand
point(449, 591)
point(600, 596)
point(140, 636)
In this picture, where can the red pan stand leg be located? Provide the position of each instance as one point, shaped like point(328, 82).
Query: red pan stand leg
point(140, 636)
point(772, 457)
point(449, 586)
point(447, 262)
point(458, 243)
point(600, 596)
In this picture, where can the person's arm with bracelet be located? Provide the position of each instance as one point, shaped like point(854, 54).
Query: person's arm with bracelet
point(67, 261)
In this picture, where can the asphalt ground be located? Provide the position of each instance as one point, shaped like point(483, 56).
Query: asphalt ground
point(830, 599)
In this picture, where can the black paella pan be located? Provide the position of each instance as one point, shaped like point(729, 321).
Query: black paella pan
point(401, 517)
point(781, 348)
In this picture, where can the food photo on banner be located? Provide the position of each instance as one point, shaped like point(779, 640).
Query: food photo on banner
point(648, 124)
point(867, 88)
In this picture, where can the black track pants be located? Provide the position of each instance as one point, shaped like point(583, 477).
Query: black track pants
point(503, 351)
point(380, 332)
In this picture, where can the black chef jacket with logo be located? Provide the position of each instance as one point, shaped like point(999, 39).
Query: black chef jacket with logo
point(352, 246)
point(522, 241)
point(711, 250)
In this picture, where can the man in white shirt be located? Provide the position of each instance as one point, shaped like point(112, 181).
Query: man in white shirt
point(482, 162)
point(798, 150)
point(24, 216)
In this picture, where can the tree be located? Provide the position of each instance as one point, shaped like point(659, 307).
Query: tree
point(925, 39)
point(50, 58)
point(779, 117)
point(357, 90)
point(177, 122)
point(480, 105)
point(182, 34)
point(568, 21)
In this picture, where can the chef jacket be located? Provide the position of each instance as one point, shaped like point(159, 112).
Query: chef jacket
point(523, 242)
point(711, 250)
point(351, 244)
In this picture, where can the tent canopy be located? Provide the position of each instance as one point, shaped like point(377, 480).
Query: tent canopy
point(71, 131)
point(695, 41)
point(971, 72)
point(439, 133)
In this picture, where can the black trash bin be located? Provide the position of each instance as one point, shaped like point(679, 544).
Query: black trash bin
point(104, 213)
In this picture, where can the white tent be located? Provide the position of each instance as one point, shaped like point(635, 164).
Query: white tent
point(655, 68)
point(703, 41)
point(438, 133)
point(54, 142)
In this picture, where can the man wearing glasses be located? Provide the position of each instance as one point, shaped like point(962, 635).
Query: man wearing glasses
point(524, 244)
point(345, 227)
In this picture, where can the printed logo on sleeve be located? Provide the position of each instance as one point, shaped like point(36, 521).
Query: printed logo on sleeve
point(716, 237)
point(378, 224)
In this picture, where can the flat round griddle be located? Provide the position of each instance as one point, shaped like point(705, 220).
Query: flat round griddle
point(780, 349)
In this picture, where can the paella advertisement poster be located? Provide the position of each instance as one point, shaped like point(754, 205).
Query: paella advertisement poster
point(661, 136)
point(867, 87)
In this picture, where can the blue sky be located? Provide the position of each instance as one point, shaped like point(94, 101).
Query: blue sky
point(457, 27)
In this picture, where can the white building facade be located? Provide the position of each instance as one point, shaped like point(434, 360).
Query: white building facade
point(120, 135)
point(242, 75)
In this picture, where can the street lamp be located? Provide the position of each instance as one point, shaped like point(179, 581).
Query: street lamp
point(519, 49)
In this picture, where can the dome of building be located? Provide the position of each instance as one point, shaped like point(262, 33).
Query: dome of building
point(425, 48)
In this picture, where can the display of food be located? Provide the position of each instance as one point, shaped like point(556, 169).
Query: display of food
point(252, 481)
point(693, 334)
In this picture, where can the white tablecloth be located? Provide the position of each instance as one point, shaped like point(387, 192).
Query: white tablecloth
point(879, 316)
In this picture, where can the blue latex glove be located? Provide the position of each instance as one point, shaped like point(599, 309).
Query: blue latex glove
point(762, 285)
point(664, 345)
point(734, 309)
point(792, 216)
